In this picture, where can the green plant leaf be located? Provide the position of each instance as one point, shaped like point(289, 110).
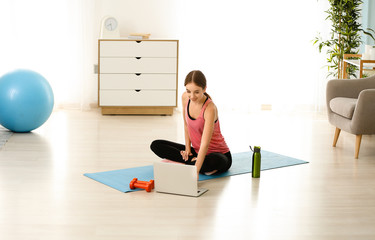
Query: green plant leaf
point(344, 16)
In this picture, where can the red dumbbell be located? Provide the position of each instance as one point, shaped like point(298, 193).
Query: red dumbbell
point(141, 184)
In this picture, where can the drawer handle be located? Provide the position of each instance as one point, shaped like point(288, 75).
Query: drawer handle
point(138, 74)
point(137, 90)
point(138, 41)
point(138, 57)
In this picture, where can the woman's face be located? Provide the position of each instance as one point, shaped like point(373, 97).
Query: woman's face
point(195, 93)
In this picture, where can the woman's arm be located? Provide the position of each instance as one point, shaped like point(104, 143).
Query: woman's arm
point(185, 154)
point(210, 115)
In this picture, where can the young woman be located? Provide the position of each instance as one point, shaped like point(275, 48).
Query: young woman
point(205, 146)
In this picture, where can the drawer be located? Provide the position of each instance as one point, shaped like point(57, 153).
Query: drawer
point(134, 65)
point(138, 98)
point(138, 49)
point(138, 81)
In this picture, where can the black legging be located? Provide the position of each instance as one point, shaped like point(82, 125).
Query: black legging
point(172, 151)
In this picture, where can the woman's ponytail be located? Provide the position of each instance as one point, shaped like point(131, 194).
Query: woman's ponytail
point(207, 95)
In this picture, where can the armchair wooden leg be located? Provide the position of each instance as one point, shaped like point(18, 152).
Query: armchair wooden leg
point(357, 145)
point(337, 134)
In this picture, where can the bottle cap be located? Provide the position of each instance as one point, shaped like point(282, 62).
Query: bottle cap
point(256, 149)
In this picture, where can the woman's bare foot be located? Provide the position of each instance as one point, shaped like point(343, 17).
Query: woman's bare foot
point(210, 173)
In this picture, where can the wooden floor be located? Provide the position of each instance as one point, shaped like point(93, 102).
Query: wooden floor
point(44, 195)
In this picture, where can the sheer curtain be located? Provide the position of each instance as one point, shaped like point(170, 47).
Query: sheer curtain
point(56, 39)
point(256, 52)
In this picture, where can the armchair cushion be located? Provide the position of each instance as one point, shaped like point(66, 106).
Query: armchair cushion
point(343, 106)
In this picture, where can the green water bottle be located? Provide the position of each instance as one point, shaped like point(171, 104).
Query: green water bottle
point(256, 162)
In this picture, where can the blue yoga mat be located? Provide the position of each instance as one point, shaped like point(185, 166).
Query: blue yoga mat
point(120, 179)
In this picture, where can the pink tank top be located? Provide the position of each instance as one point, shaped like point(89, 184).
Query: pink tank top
point(195, 129)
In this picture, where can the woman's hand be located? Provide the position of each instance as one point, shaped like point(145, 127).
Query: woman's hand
point(185, 155)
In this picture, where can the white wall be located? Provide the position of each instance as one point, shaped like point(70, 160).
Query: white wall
point(155, 17)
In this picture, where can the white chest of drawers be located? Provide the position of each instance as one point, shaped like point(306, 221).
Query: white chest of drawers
point(137, 77)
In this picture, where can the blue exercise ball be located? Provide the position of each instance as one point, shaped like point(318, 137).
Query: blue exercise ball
point(26, 100)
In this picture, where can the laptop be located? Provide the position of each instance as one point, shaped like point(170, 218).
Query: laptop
point(177, 179)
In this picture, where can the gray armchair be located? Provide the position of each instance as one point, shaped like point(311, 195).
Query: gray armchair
point(351, 107)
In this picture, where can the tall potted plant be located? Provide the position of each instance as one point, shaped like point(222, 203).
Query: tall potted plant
point(345, 35)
